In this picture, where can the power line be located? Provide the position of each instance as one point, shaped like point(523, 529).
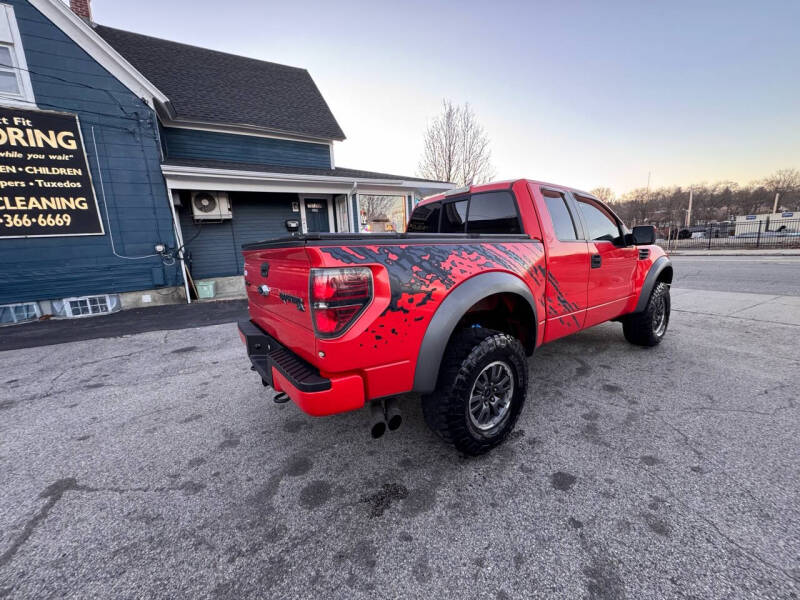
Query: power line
point(82, 85)
point(132, 115)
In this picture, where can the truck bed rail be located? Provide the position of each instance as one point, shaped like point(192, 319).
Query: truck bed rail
point(322, 239)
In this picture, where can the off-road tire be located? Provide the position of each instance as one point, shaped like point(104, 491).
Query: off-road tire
point(641, 328)
point(446, 410)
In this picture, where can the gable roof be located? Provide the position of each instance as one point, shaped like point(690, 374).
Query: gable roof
point(85, 36)
point(211, 87)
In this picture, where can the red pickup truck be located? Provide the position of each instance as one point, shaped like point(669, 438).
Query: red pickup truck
point(450, 309)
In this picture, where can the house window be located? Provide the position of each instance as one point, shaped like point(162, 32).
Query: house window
point(91, 305)
point(15, 81)
point(381, 213)
point(342, 218)
point(85, 306)
point(19, 313)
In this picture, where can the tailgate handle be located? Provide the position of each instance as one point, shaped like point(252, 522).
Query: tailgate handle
point(264, 269)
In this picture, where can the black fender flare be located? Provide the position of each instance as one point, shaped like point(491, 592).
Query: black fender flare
point(656, 269)
point(453, 307)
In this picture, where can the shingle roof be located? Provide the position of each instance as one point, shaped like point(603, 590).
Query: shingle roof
point(216, 87)
point(337, 172)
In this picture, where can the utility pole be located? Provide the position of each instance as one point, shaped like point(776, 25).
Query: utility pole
point(646, 198)
point(775, 206)
point(689, 212)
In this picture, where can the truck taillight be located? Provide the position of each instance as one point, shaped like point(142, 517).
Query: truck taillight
point(338, 297)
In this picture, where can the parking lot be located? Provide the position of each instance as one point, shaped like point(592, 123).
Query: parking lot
point(156, 465)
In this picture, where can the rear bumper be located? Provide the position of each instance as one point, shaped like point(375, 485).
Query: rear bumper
point(286, 372)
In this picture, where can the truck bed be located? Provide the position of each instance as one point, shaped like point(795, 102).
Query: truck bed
point(411, 273)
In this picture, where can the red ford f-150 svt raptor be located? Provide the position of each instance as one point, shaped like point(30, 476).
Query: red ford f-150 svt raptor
point(451, 308)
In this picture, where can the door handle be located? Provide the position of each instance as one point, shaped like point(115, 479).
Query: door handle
point(597, 261)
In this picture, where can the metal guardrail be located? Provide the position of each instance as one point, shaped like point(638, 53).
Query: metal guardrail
point(783, 233)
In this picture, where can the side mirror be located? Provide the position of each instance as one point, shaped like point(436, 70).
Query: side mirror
point(644, 235)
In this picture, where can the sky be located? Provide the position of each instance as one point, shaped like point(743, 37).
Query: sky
point(586, 94)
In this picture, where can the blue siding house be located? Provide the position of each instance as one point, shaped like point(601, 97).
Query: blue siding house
point(209, 145)
point(121, 142)
point(182, 171)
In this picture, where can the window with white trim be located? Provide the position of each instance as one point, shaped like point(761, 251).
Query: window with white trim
point(15, 82)
point(19, 313)
point(88, 305)
point(85, 306)
point(381, 213)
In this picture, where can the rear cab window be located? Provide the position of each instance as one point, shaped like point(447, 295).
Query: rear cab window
point(454, 217)
point(492, 212)
point(425, 218)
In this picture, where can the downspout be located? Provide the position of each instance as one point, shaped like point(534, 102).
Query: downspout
point(350, 196)
point(179, 241)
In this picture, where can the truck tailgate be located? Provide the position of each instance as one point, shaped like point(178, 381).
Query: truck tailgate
point(276, 281)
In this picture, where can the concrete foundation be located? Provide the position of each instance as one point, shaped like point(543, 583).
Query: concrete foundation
point(227, 288)
point(165, 295)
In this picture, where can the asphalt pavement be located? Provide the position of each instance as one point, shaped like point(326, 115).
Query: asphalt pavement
point(157, 466)
point(127, 322)
point(746, 273)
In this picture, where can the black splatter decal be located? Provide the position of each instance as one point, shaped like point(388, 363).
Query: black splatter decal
point(420, 275)
point(417, 271)
point(562, 300)
point(412, 270)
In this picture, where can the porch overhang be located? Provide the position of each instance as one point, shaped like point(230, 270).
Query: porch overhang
point(232, 180)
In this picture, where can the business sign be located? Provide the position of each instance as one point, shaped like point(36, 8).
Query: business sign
point(751, 217)
point(45, 184)
point(787, 215)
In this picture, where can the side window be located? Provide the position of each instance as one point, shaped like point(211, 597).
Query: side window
point(9, 84)
point(601, 225)
point(493, 212)
point(15, 82)
point(454, 217)
point(563, 224)
point(425, 218)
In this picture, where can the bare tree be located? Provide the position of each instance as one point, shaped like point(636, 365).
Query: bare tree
point(603, 193)
point(712, 202)
point(783, 182)
point(377, 207)
point(456, 147)
point(475, 158)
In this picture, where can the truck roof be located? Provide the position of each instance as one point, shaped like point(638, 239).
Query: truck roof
point(498, 185)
